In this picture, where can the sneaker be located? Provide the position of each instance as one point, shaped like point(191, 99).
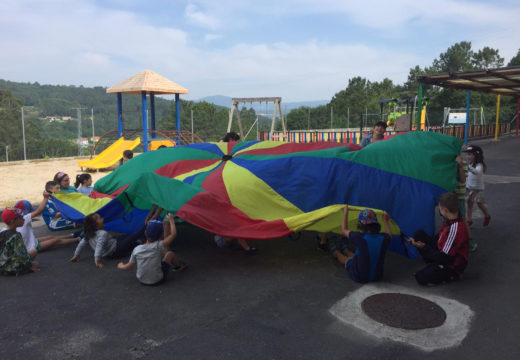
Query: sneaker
point(472, 245)
point(182, 266)
point(487, 219)
point(332, 246)
point(322, 247)
point(251, 251)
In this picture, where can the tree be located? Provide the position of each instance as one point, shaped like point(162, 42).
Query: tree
point(487, 58)
point(515, 60)
point(458, 57)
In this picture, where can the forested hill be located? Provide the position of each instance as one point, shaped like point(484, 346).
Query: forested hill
point(51, 124)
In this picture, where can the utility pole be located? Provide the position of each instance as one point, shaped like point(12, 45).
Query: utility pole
point(6, 153)
point(78, 110)
point(23, 137)
point(309, 120)
point(192, 126)
point(331, 112)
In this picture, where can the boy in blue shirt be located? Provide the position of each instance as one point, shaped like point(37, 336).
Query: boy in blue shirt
point(366, 264)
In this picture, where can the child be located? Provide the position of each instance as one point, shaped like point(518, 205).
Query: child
point(223, 242)
point(127, 155)
point(460, 190)
point(51, 215)
point(84, 184)
point(64, 181)
point(33, 244)
point(103, 244)
point(14, 258)
point(446, 253)
point(366, 264)
point(378, 134)
point(153, 258)
point(475, 183)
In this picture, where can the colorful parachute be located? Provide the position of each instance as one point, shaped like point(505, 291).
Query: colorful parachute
point(260, 190)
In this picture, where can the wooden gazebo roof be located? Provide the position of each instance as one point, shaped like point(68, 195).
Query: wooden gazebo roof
point(148, 81)
point(504, 81)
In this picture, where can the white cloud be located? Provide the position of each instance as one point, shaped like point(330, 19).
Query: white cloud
point(211, 37)
point(199, 18)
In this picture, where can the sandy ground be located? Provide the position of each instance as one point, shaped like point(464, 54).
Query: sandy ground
point(25, 180)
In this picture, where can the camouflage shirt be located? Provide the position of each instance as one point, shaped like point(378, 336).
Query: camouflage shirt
point(14, 258)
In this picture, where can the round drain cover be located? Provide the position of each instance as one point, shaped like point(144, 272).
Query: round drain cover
point(403, 311)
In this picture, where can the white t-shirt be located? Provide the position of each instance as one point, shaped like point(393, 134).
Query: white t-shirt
point(27, 232)
point(475, 179)
point(148, 258)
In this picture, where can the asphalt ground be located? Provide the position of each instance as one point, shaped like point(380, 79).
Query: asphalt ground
point(273, 305)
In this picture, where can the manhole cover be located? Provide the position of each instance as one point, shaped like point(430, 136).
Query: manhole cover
point(403, 311)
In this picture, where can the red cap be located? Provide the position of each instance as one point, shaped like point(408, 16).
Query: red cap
point(9, 214)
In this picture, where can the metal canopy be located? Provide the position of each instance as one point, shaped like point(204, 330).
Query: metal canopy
point(504, 81)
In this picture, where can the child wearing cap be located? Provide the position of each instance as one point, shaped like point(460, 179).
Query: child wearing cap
point(447, 252)
point(153, 259)
point(366, 264)
point(14, 258)
point(32, 243)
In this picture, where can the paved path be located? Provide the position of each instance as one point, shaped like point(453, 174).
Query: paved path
point(275, 305)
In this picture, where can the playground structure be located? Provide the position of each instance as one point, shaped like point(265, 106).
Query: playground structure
point(277, 106)
point(401, 113)
point(145, 83)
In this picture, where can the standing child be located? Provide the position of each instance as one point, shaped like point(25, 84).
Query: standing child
point(14, 258)
point(84, 184)
point(447, 252)
point(366, 264)
point(475, 183)
point(103, 244)
point(153, 259)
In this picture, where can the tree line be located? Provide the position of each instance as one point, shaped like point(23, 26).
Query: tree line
point(46, 138)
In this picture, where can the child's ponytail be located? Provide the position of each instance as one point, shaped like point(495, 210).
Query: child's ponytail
point(80, 179)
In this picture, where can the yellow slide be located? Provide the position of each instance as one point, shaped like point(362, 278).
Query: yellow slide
point(110, 155)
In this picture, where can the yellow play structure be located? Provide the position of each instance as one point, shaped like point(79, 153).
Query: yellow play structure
point(110, 155)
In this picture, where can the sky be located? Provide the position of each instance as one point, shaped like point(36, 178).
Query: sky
point(300, 50)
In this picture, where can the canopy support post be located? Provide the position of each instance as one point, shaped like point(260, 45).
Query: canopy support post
point(152, 111)
point(419, 108)
point(497, 117)
point(145, 120)
point(119, 115)
point(178, 118)
point(466, 127)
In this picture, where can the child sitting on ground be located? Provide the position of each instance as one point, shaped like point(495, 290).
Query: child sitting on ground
point(366, 264)
point(103, 244)
point(447, 252)
point(32, 243)
point(51, 215)
point(14, 258)
point(84, 184)
point(64, 181)
point(153, 259)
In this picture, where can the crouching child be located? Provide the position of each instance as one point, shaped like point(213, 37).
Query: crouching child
point(153, 259)
point(447, 252)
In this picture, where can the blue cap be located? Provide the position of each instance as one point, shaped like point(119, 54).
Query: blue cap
point(367, 216)
point(25, 206)
point(154, 229)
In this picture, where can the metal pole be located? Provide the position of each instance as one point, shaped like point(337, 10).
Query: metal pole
point(178, 118)
point(497, 117)
point(92, 118)
point(6, 153)
point(119, 115)
point(23, 136)
point(192, 126)
point(331, 112)
point(309, 119)
point(517, 113)
point(466, 128)
point(79, 130)
point(144, 112)
point(419, 108)
point(348, 118)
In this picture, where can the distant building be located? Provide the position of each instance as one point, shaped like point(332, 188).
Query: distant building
point(95, 139)
point(83, 141)
point(64, 118)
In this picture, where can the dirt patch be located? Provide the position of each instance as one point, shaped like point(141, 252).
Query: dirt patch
point(25, 180)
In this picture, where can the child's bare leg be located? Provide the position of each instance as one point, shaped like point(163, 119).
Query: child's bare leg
point(171, 258)
point(484, 209)
point(343, 258)
point(323, 238)
point(469, 210)
point(49, 242)
point(243, 244)
point(32, 253)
